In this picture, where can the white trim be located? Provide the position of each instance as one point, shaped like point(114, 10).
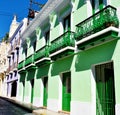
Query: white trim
point(62, 50)
point(97, 34)
point(43, 59)
point(32, 64)
point(21, 69)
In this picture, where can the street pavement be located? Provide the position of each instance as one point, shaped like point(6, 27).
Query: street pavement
point(8, 108)
point(33, 110)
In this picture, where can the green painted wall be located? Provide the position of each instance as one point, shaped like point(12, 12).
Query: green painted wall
point(27, 88)
point(53, 87)
point(81, 86)
point(116, 58)
point(80, 65)
point(42, 71)
point(55, 32)
point(115, 3)
point(40, 43)
point(81, 78)
point(61, 66)
point(78, 15)
point(20, 90)
point(37, 87)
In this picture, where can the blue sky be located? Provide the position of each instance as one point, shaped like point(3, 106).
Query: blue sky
point(10, 7)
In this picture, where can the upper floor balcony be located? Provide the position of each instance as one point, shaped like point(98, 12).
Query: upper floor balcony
point(29, 61)
point(104, 22)
point(63, 45)
point(21, 65)
point(42, 55)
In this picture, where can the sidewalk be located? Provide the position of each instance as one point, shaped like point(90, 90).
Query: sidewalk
point(33, 109)
point(47, 112)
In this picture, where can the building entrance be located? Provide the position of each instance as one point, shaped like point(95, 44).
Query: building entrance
point(105, 92)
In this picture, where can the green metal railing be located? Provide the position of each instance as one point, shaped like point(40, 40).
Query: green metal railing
point(21, 65)
point(97, 22)
point(66, 39)
point(29, 60)
point(41, 53)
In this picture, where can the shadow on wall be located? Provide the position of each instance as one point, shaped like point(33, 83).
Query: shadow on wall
point(22, 76)
point(98, 54)
point(80, 3)
point(42, 71)
point(61, 66)
point(31, 74)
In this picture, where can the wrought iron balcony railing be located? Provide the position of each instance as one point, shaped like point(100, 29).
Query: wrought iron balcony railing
point(41, 53)
point(66, 39)
point(97, 22)
point(29, 60)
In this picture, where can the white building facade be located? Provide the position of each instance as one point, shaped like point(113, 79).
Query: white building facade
point(16, 29)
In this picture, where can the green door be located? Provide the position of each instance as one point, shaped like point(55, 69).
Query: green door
point(32, 89)
point(45, 91)
point(105, 94)
point(66, 98)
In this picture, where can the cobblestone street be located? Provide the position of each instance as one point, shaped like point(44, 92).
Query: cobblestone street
point(7, 108)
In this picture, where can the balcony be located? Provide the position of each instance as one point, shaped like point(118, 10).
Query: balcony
point(104, 22)
point(21, 65)
point(29, 61)
point(62, 46)
point(42, 56)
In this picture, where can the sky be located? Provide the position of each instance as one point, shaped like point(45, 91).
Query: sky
point(9, 8)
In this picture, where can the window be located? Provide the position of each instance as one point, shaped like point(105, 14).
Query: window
point(66, 23)
point(98, 5)
point(47, 35)
point(34, 45)
point(17, 55)
point(25, 52)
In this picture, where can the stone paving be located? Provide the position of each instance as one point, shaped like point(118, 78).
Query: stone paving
point(7, 108)
point(34, 110)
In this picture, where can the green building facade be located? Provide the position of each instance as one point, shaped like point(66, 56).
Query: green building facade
point(69, 58)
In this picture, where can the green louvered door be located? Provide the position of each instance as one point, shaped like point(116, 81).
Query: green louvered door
point(66, 91)
point(45, 91)
point(105, 95)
